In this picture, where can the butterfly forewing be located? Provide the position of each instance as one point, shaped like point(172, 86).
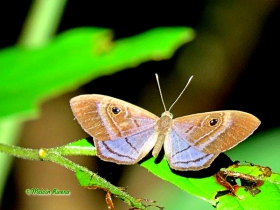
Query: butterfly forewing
point(107, 118)
point(216, 132)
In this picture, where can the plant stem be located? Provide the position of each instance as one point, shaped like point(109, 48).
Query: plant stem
point(53, 155)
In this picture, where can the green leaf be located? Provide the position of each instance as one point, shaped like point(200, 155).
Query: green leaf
point(85, 179)
point(80, 147)
point(92, 181)
point(268, 198)
point(74, 58)
point(256, 171)
point(80, 143)
point(207, 188)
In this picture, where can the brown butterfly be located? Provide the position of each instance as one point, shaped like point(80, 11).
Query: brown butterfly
point(124, 133)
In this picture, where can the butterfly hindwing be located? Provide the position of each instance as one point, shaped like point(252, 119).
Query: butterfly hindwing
point(107, 118)
point(182, 156)
point(128, 150)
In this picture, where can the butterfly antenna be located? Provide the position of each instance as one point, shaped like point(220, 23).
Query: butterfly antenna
point(160, 92)
point(181, 93)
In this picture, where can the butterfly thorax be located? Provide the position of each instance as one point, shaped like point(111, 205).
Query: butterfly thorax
point(163, 126)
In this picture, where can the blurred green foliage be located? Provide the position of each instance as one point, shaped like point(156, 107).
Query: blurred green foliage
point(75, 58)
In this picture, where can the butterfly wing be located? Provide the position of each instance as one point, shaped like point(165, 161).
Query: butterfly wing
point(128, 150)
point(107, 118)
point(182, 156)
point(215, 132)
point(122, 132)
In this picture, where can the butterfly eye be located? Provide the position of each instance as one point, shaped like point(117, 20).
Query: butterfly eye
point(213, 122)
point(116, 110)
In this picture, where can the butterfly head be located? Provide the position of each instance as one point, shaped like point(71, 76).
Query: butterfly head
point(167, 113)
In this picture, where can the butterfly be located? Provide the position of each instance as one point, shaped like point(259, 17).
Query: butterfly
point(124, 133)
